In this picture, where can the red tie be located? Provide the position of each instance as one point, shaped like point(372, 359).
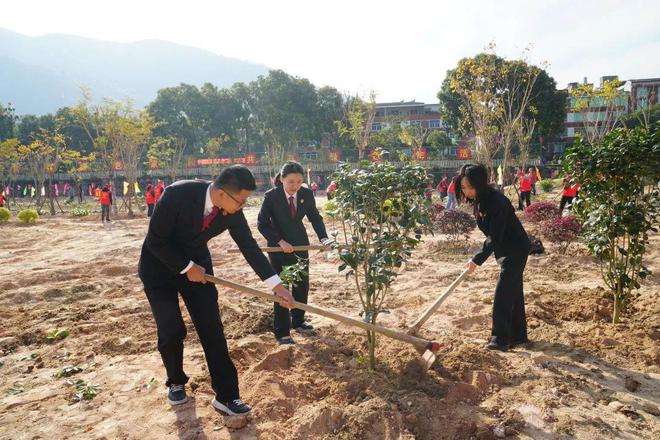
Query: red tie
point(209, 218)
point(292, 208)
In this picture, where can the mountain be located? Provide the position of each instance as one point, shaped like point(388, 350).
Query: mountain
point(40, 74)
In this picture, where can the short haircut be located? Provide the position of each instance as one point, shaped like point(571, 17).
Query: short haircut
point(235, 178)
point(292, 167)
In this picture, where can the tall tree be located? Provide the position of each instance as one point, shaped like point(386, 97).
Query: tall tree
point(602, 108)
point(7, 122)
point(358, 116)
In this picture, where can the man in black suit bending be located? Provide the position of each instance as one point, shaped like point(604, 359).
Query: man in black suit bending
point(175, 259)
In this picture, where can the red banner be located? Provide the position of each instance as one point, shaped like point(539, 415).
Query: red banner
point(419, 153)
point(376, 155)
point(464, 153)
point(248, 159)
point(334, 155)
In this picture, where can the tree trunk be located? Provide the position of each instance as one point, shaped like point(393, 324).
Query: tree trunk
point(371, 342)
point(51, 195)
point(618, 305)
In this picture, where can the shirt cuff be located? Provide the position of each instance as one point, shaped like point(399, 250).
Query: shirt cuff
point(273, 281)
point(187, 267)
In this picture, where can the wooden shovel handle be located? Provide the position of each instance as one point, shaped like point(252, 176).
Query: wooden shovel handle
point(420, 344)
point(427, 314)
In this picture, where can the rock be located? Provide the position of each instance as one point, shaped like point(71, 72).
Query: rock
point(8, 343)
point(631, 384)
point(411, 419)
point(533, 324)
point(651, 409)
point(609, 342)
point(541, 359)
point(653, 333)
point(500, 431)
point(483, 380)
point(615, 405)
point(485, 434)
point(235, 422)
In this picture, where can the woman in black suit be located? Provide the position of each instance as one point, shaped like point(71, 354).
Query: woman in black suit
point(280, 222)
point(506, 237)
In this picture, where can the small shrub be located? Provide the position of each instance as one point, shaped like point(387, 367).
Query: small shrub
point(67, 371)
point(330, 208)
point(5, 215)
point(84, 390)
point(455, 224)
point(562, 231)
point(547, 185)
point(540, 212)
point(28, 216)
point(80, 212)
point(56, 335)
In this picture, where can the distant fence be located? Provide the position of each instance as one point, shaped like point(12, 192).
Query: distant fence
point(324, 167)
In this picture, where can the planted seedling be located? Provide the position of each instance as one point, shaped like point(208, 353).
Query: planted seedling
point(57, 334)
point(84, 390)
point(67, 371)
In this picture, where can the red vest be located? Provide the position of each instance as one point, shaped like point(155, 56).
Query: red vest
point(525, 184)
point(105, 197)
point(150, 197)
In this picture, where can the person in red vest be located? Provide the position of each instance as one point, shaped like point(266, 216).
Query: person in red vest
point(568, 193)
point(106, 201)
point(525, 190)
point(150, 199)
point(314, 187)
point(160, 187)
point(532, 180)
point(451, 195)
point(442, 188)
point(2, 201)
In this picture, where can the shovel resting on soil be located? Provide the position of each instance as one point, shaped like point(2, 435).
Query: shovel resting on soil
point(426, 348)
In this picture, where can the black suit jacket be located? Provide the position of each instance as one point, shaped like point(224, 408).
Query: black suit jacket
point(505, 234)
point(175, 237)
point(275, 222)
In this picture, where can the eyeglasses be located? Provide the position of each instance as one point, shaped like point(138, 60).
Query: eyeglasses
point(240, 204)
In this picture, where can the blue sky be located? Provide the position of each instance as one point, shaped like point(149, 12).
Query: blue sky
point(401, 50)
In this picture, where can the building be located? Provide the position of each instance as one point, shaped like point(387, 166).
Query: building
point(643, 93)
point(585, 113)
point(416, 113)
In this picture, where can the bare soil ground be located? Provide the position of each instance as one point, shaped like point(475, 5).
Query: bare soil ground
point(581, 377)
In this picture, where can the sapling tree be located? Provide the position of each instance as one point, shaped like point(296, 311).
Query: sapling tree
point(382, 213)
point(619, 204)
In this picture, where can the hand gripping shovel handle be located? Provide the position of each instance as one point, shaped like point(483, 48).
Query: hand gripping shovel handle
point(427, 314)
point(422, 345)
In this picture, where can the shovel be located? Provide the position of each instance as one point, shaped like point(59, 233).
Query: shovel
point(427, 314)
point(424, 347)
point(315, 247)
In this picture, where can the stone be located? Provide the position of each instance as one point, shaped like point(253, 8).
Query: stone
point(235, 422)
point(483, 380)
point(533, 324)
point(500, 431)
point(615, 405)
point(651, 409)
point(609, 342)
point(541, 359)
point(631, 384)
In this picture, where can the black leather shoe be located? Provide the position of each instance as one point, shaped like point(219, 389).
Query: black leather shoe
point(286, 340)
point(494, 345)
point(304, 326)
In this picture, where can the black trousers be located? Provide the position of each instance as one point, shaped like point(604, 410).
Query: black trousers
point(565, 200)
point(201, 300)
point(105, 213)
point(150, 209)
point(509, 321)
point(283, 319)
point(524, 198)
